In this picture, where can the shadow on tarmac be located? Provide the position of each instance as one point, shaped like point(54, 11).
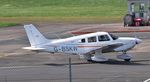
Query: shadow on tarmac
point(110, 62)
point(64, 64)
point(134, 62)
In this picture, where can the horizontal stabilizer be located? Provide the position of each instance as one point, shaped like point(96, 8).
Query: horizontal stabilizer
point(33, 49)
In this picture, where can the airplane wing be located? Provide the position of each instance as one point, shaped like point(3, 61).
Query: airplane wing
point(108, 47)
point(112, 45)
point(98, 52)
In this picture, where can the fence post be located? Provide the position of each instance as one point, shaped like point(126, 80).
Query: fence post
point(70, 70)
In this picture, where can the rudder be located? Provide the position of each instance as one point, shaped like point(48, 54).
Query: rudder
point(34, 36)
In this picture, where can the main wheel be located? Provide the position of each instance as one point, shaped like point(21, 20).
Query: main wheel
point(90, 61)
point(127, 60)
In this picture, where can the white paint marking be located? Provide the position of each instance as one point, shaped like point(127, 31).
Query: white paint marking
point(15, 67)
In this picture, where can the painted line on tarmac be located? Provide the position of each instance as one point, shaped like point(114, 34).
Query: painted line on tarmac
point(1, 56)
point(15, 67)
point(9, 54)
point(121, 31)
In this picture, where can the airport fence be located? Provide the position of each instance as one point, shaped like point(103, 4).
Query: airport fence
point(120, 79)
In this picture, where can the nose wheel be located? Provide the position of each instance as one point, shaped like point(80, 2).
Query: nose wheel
point(126, 57)
point(127, 60)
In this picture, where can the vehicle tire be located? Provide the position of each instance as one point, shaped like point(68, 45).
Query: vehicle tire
point(128, 20)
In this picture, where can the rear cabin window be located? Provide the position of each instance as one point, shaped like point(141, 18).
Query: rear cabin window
point(92, 39)
point(103, 38)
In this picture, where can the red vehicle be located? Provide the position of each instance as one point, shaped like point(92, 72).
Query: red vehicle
point(138, 13)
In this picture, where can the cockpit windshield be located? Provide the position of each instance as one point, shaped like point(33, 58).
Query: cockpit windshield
point(114, 37)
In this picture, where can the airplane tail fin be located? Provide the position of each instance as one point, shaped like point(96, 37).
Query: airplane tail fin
point(34, 36)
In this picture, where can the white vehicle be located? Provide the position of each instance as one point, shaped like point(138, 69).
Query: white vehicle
point(90, 46)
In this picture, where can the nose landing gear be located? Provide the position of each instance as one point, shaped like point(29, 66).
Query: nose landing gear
point(126, 57)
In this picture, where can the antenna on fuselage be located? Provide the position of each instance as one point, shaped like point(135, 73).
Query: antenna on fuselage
point(57, 36)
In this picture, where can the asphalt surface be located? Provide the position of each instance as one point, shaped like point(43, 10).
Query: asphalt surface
point(17, 65)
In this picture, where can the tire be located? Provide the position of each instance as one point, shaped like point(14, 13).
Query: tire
point(128, 20)
point(90, 61)
point(127, 60)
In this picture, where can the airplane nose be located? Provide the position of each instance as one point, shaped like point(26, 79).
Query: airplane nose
point(138, 41)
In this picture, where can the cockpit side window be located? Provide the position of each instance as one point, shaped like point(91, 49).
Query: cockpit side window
point(82, 40)
point(103, 38)
point(92, 39)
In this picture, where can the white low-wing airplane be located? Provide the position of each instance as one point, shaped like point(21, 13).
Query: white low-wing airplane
point(90, 46)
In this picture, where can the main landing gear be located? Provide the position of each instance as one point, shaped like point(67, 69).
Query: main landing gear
point(99, 57)
point(126, 57)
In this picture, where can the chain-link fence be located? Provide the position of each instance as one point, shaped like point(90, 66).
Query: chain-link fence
point(119, 79)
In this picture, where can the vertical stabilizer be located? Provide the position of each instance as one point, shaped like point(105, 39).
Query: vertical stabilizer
point(34, 36)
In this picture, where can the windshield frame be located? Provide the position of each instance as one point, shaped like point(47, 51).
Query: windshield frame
point(114, 37)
